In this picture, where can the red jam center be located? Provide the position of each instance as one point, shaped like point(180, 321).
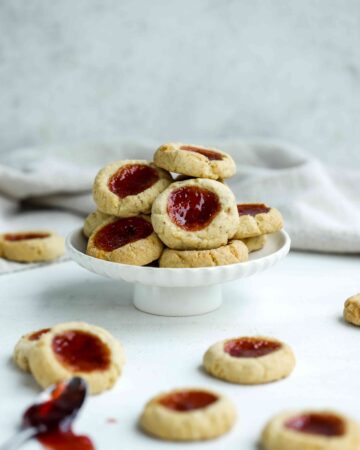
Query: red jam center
point(192, 208)
point(25, 236)
point(252, 209)
point(37, 334)
point(248, 347)
point(122, 232)
point(81, 351)
point(323, 424)
point(188, 400)
point(210, 154)
point(132, 179)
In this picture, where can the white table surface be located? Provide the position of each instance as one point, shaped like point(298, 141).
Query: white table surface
point(299, 301)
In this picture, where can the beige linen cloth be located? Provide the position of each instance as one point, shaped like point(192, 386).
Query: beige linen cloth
point(321, 205)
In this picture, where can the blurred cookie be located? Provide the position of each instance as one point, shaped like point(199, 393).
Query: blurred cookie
point(195, 161)
point(256, 219)
point(249, 360)
point(127, 240)
point(188, 415)
point(128, 188)
point(93, 220)
point(32, 246)
point(352, 310)
point(77, 349)
point(24, 347)
point(232, 253)
point(195, 214)
point(311, 430)
point(255, 243)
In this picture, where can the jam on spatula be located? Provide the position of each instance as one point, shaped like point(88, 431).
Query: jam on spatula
point(50, 420)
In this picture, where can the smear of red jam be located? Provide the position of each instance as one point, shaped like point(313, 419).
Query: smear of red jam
point(188, 400)
point(122, 232)
point(53, 418)
point(192, 207)
point(132, 179)
point(212, 155)
point(252, 209)
point(249, 347)
point(25, 236)
point(81, 351)
point(37, 334)
point(323, 424)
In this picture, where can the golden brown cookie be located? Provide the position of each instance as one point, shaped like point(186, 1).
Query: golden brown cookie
point(126, 240)
point(255, 243)
point(128, 188)
point(311, 430)
point(195, 214)
point(256, 219)
point(93, 220)
point(232, 253)
point(249, 360)
point(77, 349)
point(188, 415)
point(195, 161)
point(24, 346)
point(352, 310)
point(32, 246)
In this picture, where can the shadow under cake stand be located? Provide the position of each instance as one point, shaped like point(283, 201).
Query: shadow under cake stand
point(179, 292)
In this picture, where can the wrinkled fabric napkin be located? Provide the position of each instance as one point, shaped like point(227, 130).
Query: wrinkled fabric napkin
point(321, 205)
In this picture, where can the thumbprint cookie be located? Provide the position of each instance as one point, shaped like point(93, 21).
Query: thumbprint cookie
point(232, 253)
point(127, 240)
point(32, 246)
point(256, 219)
point(249, 360)
point(93, 220)
point(311, 430)
point(352, 310)
point(128, 188)
point(188, 415)
point(195, 161)
point(195, 214)
point(77, 349)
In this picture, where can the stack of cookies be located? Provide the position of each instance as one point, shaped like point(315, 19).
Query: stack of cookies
point(144, 216)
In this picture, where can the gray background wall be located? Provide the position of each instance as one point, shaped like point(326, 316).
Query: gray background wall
point(88, 70)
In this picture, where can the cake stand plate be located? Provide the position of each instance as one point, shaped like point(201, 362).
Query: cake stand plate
point(179, 292)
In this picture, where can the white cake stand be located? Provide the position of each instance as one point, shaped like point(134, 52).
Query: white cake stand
point(179, 292)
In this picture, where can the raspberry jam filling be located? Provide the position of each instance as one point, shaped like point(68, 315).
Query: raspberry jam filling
point(132, 179)
point(122, 232)
point(37, 334)
point(252, 209)
point(192, 208)
point(323, 424)
point(25, 236)
point(210, 154)
point(81, 351)
point(188, 400)
point(249, 347)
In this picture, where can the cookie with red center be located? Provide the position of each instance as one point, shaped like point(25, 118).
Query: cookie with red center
point(232, 253)
point(352, 310)
point(249, 360)
point(24, 347)
point(311, 430)
point(195, 161)
point(93, 220)
point(255, 243)
point(188, 414)
point(126, 240)
point(256, 219)
point(128, 188)
point(195, 214)
point(77, 349)
point(31, 246)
